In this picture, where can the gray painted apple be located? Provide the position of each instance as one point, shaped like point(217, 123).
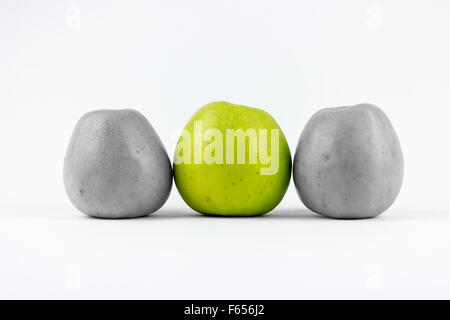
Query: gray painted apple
point(348, 162)
point(116, 165)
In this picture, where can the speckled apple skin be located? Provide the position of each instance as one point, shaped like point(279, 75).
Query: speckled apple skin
point(348, 163)
point(232, 189)
point(116, 166)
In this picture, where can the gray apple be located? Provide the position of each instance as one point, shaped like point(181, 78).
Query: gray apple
point(348, 162)
point(116, 165)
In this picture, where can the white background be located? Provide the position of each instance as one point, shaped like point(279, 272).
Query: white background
point(60, 59)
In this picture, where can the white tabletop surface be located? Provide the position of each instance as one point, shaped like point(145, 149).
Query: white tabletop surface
point(178, 254)
point(166, 59)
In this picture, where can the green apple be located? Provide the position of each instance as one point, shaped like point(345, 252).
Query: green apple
point(232, 160)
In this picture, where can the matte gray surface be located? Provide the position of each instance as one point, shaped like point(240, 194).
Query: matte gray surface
point(116, 165)
point(348, 162)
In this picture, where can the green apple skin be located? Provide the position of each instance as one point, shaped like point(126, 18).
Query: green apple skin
point(233, 189)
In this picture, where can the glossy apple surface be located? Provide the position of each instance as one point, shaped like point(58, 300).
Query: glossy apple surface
point(234, 189)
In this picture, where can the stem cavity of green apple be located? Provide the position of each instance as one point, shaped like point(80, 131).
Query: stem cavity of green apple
point(212, 153)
